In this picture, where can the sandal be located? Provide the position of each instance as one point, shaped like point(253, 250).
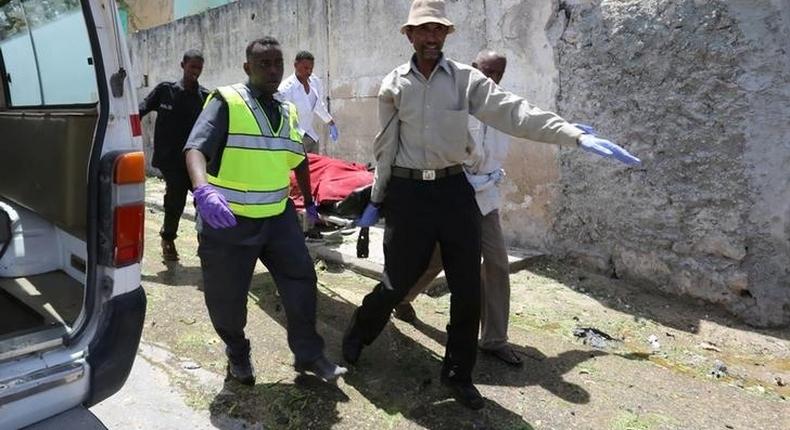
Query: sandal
point(505, 354)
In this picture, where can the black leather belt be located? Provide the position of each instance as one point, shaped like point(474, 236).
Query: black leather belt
point(426, 175)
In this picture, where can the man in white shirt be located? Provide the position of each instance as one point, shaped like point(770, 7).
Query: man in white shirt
point(304, 90)
point(484, 172)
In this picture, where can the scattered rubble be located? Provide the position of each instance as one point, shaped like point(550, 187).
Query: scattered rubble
point(709, 346)
point(719, 369)
point(653, 341)
point(594, 337)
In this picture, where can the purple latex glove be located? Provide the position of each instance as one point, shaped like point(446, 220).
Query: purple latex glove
point(333, 133)
point(213, 207)
point(312, 212)
point(370, 216)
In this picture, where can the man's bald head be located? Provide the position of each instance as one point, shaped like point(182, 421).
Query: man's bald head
point(491, 63)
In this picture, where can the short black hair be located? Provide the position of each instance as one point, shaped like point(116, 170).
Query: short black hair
point(304, 55)
point(267, 41)
point(192, 54)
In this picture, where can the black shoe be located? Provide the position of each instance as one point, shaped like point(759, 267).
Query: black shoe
point(240, 367)
point(352, 345)
point(322, 368)
point(405, 312)
point(169, 252)
point(464, 393)
point(241, 373)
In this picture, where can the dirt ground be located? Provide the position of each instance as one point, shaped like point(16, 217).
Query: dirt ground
point(629, 383)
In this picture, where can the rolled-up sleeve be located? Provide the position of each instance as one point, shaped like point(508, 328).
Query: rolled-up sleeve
point(385, 145)
point(514, 115)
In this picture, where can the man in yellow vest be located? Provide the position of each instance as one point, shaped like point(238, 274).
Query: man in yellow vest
point(239, 156)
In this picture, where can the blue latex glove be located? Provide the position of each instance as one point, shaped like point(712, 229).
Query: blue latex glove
point(312, 212)
point(587, 129)
point(333, 133)
point(607, 149)
point(213, 207)
point(590, 143)
point(370, 216)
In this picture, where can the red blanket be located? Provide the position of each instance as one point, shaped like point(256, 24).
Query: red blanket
point(331, 179)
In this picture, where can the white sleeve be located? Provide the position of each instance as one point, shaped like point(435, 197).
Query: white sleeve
point(285, 89)
point(320, 106)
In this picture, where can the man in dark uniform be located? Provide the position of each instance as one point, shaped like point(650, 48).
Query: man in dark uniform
point(424, 106)
point(239, 156)
point(178, 105)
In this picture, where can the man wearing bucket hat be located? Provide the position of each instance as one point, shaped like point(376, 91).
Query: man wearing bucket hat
point(421, 188)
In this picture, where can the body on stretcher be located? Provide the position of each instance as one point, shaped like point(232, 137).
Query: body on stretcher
point(341, 190)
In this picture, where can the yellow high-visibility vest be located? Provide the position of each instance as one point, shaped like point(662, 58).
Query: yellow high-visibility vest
point(254, 172)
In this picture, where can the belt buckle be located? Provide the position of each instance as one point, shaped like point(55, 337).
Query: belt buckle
point(428, 175)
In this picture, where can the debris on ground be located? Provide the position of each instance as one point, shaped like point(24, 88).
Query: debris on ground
point(709, 346)
point(190, 365)
point(653, 341)
point(594, 337)
point(779, 381)
point(719, 369)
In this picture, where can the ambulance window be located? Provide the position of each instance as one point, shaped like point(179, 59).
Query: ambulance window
point(46, 53)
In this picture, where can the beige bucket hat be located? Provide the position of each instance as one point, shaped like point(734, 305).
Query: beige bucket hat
point(425, 11)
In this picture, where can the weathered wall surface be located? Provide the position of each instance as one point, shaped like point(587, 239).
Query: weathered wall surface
point(148, 13)
point(698, 89)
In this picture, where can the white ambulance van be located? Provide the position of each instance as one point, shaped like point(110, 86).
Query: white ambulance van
point(71, 212)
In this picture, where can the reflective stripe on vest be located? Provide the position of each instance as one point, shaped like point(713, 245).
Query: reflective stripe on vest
point(254, 174)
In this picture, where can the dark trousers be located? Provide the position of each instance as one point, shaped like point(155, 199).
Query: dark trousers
point(227, 272)
point(420, 214)
point(177, 184)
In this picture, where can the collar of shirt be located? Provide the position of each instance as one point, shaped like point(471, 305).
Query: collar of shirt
point(411, 66)
point(180, 85)
point(257, 94)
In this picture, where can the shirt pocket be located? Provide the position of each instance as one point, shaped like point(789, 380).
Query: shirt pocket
point(453, 125)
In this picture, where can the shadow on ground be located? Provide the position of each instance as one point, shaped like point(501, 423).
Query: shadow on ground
point(305, 403)
point(396, 374)
point(681, 313)
point(538, 369)
point(175, 274)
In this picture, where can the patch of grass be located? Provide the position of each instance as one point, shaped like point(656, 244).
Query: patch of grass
point(631, 421)
point(390, 420)
point(193, 340)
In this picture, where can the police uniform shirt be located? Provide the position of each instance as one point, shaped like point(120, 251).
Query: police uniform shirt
point(177, 109)
point(209, 136)
point(430, 118)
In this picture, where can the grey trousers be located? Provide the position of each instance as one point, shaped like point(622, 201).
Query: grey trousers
point(495, 283)
point(310, 146)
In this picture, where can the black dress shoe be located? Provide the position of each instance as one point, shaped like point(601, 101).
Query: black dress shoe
point(322, 368)
point(405, 312)
point(241, 372)
point(464, 393)
point(352, 346)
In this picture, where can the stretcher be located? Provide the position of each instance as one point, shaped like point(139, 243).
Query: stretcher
point(341, 190)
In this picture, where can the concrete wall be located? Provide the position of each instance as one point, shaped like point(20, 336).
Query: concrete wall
point(147, 13)
point(698, 89)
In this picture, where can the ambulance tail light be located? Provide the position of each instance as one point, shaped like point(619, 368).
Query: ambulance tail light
point(122, 208)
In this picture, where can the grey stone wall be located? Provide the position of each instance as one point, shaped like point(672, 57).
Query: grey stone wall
point(699, 89)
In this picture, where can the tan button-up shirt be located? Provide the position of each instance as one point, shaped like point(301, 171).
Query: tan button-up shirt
point(424, 121)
